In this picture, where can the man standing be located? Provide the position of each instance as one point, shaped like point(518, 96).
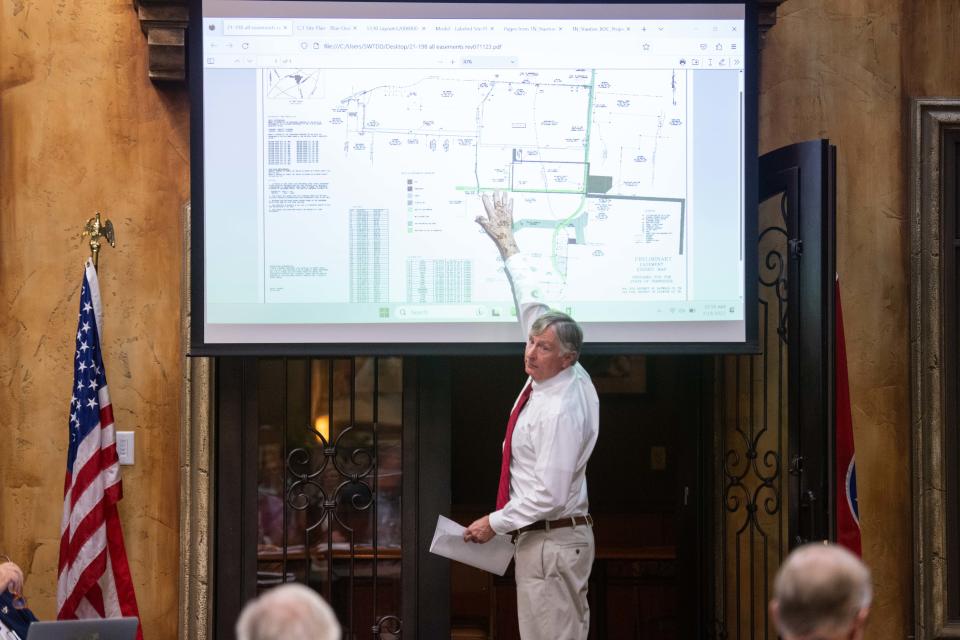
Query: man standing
point(542, 497)
point(822, 591)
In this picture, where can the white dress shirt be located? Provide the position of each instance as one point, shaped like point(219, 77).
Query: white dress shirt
point(557, 428)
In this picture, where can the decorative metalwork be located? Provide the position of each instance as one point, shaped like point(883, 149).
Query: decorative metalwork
point(772, 274)
point(389, 625)
point(754, 408)
point(332, 488)
point(96, 230)
point(298, 467)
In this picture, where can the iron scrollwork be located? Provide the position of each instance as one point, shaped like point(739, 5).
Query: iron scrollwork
point(298, 468)
point(327, 483)
point(766, 466)
point(752, 463)
point(392, 626)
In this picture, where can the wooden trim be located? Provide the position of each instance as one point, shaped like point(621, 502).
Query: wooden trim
point(196, 487)
point(951, 248)
point(931, 118)
point(766, 16)
point(164, 22)
point(196, 482)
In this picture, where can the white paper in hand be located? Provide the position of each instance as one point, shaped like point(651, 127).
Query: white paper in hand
point(493, 556)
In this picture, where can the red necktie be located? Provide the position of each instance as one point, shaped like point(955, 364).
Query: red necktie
point(503, 492)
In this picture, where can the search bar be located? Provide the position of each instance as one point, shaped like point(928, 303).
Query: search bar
point(445, 312)
point(257, 27)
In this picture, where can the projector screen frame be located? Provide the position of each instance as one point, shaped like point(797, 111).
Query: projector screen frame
point(197, 313)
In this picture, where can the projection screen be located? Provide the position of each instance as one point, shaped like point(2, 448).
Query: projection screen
point(340, 151)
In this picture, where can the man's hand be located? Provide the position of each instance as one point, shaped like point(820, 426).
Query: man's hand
point(499, 223)
point(11, 578)
point(479, 531)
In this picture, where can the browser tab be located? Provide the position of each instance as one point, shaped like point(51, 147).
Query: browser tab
point(255, 27)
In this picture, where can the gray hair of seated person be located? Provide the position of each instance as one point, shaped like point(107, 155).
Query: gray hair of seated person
point(821, 588)
point(288, 612)
point(569, 333)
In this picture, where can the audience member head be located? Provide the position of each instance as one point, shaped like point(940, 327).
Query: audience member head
point(822, 592)
point(288, 612)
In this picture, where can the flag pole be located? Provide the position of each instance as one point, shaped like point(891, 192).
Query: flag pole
point(96, 230)
point(93, 572)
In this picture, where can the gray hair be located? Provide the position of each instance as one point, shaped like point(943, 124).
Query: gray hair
point(821, 588)
point(569, 333)
point(289, 612)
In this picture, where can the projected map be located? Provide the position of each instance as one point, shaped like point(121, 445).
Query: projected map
point(390, 164)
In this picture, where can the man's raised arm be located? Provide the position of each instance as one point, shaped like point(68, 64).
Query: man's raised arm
point(533, 280)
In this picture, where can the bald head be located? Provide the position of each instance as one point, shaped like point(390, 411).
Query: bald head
point(821, 592)
point(288, 612)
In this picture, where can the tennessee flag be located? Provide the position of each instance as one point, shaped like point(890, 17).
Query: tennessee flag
point(848, 512)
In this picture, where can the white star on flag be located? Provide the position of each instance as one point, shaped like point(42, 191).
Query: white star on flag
point(93, 573)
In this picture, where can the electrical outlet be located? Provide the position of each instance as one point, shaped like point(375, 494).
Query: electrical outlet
point(125, 446)
point(658, 458)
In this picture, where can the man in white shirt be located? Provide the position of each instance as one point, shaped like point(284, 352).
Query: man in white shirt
point(552, 431)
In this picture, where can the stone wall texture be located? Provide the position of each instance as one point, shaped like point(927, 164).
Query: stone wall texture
point(846, 71)
point(83, 129)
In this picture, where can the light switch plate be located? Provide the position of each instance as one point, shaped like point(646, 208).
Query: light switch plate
point(125, 446)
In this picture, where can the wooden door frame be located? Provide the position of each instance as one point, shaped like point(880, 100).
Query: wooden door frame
point(934, 121)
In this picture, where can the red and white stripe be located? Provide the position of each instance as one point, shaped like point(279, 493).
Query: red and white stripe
point(90, 495)
point(93, 576)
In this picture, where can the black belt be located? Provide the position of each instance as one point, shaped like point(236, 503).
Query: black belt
point(547, 525)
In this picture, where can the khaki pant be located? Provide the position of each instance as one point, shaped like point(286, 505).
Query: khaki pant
point(552, 569)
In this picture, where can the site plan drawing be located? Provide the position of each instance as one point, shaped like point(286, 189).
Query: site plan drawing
point(371, 182)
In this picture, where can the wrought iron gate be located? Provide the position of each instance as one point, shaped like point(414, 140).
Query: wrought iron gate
point(325, 438)
point(776, 407)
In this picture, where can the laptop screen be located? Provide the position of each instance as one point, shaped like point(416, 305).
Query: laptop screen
point(99, 629)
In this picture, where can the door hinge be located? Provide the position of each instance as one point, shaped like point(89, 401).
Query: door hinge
point(796, 465)
point(796, 247)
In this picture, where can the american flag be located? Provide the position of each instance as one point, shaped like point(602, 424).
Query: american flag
point(93, 576)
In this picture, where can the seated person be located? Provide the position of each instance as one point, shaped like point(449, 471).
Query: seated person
point(821, 592)
point(15, 618)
